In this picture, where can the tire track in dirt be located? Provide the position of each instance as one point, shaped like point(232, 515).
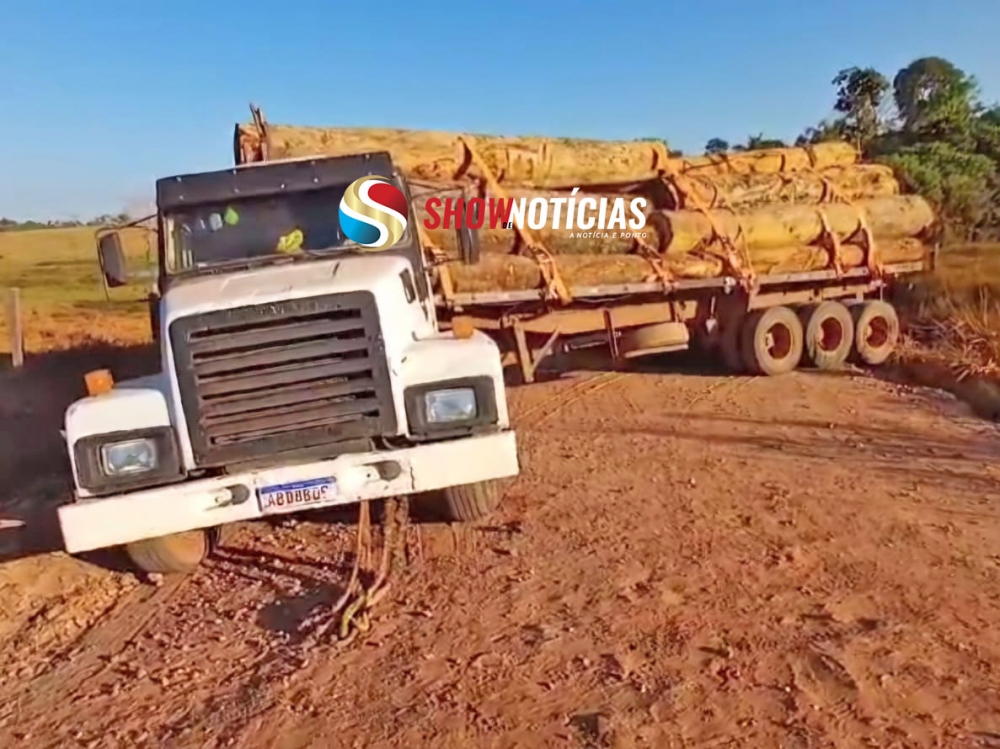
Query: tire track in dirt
point(92, 652)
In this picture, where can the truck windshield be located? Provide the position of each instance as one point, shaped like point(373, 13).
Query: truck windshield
point(213, 234)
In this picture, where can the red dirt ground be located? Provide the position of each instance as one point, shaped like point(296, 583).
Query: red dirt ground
point(687, 560)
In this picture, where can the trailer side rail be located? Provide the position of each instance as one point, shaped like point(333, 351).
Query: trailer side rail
point(724, 283)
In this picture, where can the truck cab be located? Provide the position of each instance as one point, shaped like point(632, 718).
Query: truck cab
point(299, 370)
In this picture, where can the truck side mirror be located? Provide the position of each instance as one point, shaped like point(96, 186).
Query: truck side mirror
point(468, 238)
point(112, 258)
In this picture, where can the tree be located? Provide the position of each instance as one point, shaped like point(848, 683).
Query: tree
point(755, 142)
point(826, 130)
point(991, 115)
point(716, 145)
point(958, 181)
point(861, 98)
point(935, 100)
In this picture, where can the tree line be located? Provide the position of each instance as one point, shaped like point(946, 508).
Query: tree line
point(108, 219)
point(929, 124)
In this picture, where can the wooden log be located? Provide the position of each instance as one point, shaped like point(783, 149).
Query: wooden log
point(793, 225)
point(495, 273)
point(518, 273)
point(440, 157)
point(15, 326)
point(768, 160)
point(773, 261)
point(743, 192)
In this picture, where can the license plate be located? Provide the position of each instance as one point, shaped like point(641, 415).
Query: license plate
point(297, 495)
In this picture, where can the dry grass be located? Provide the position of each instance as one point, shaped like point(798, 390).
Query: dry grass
point(63, 299)
point(953, 315)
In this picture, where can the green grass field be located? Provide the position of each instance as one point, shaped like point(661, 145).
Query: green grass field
point(62, 298)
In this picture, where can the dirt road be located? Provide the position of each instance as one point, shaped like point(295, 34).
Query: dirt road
point(687, 561)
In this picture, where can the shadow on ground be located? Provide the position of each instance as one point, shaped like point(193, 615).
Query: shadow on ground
point(34, 470)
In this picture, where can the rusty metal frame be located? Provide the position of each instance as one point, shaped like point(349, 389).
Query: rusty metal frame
point(528, 360)
point(601, 312)
point(612, 335)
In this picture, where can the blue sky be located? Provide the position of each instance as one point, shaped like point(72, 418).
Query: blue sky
point(99, 98)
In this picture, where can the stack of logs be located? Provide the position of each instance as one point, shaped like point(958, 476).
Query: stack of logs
point(747, 213)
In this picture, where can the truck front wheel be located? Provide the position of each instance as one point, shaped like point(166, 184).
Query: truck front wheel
point(176, 553)
point(462, 504)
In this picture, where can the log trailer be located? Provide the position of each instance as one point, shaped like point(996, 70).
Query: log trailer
point(287, 381)
point(794, 248)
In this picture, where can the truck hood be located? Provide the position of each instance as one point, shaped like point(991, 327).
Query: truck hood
point(297, 280)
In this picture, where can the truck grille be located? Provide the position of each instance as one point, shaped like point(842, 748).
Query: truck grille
point(282, 377)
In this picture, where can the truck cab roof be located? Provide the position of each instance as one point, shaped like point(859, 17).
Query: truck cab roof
point(269, 178)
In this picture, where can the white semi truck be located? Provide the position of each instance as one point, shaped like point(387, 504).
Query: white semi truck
point(294, 375)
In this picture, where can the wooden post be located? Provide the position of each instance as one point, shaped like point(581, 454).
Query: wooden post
point(15, 327)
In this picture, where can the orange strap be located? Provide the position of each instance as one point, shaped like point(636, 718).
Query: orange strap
point(555, 287)
point(438, 259)
point(742, 267)
point(872, 261)
point(655, 260)
point(832, 195)
point(831, 242)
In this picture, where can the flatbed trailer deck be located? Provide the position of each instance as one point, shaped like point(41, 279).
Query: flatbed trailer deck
point(636, 319)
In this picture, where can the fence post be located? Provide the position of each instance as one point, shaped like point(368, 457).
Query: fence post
point(15, 326)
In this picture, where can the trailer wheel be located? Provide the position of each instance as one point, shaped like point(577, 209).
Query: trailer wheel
point(829, 334)
point(470, 502)
point(176, 553)
point(771, 341)
point(876, 331)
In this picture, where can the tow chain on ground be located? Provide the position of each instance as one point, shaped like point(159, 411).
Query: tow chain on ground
point(357, 600)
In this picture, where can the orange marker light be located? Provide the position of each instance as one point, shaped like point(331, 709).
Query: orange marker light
point(99, 381)
point(462, 327)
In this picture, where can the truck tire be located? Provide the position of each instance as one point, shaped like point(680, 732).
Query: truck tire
point(828, 334)
point(771, 341)
point(176, 553)
point(876, 331)
point(470, 502)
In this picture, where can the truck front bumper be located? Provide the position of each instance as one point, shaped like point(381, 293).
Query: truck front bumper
point(108, 521)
